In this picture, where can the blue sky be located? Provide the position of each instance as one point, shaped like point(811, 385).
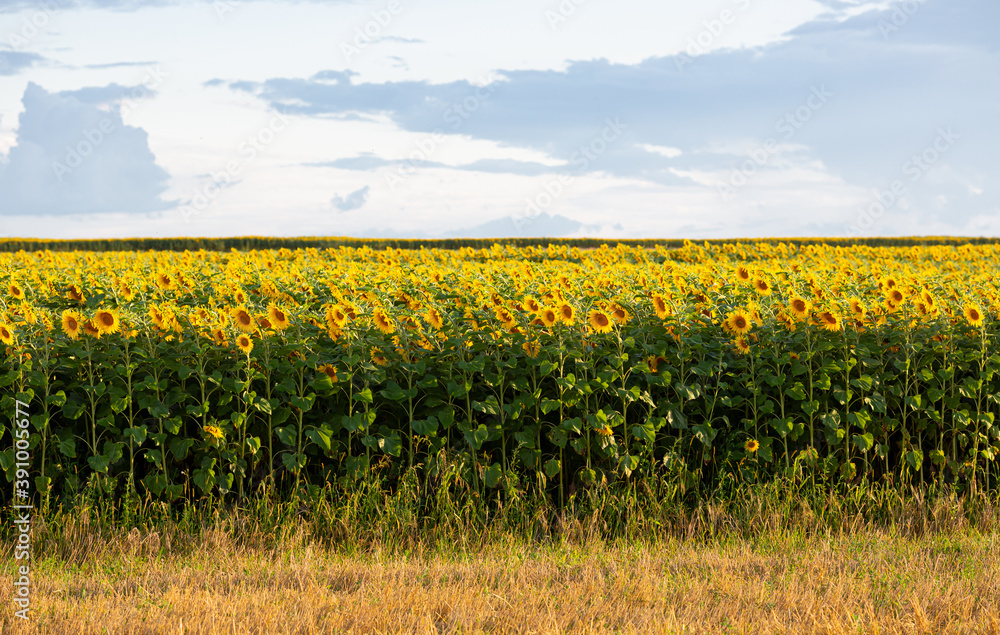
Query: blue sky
point(425, 118)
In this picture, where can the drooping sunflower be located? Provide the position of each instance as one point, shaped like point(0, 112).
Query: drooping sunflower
point(599, 321)
point(71, 323)
point(660, 306)
point(383, 322)
point(505, 317)
point(829, 320)
point(857, 308)
point(277, 316)
point(6, 334)
point(973, 315)
point(434, 318)
point(91, 329)
point(244, 321)
point(213, 432)
point(244, 342)
point(799, 307)
point(742, 274)
point(378, 357)
point(531, 349)
point(739, 322)
point(75, 293)
point(165, 281)
point(742, 346)
point(619, 313)
point(106, 320)
point(330, 371)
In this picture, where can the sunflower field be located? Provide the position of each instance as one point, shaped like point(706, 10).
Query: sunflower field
point(209, 374)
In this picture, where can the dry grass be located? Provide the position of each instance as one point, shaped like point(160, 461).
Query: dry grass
point(864, 582)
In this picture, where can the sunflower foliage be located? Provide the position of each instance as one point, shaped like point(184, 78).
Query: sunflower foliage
point(185, 375)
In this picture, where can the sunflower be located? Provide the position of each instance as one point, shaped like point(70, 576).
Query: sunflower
point(973, 315)
point(433, 317)
point(599, 321)
point(530, 304)
point(126, 291)
point(15, 290)
point(751, 445)
point(244, 321)
point(219, 336)
point(619, 314)
point(245, 343)
point(742, 346)
point(278, 317)
point(799, 307)
point(165, 281)
point(213, 432)
point(378, 357)
point(383, 322)
point(264, 322)
point(829, 320)
point(531, 348)
point(71, 323)
point(857, 308)
point(75, 293)
point(742, 274)
point(566, 313)
point(548, 316)
point(336, 316)
point(6, 334)
point(106, 320)
point(761, 286)
point(505, 317)
point(739, 322)
point(90, 329)
point(895, 296)
point(660, 306)
point(329, 371)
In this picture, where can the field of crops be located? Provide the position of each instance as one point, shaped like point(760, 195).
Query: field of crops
point(209, 374)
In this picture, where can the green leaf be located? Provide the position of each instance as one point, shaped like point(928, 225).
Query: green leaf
point(427, 427)
point(552, 467)
point(288, 435)
point(492, 475)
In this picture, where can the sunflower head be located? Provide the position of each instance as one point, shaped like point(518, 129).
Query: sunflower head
point(973, 315)
point(214, 433)
point(761, 286)
point(244, 343)
point(106, 320)
point(751, 445)
point(566, 313)
point(434, 318)
point(383, 322)
point(799, 307)
point(243, 320)
point(660, 306)
point(6, 334)
point(548, 316)
point(739, 322)
point(330, 371)
point(71, 323)
point(829, 320)
point(15, 290)
point(278, 318)
point(599, 321)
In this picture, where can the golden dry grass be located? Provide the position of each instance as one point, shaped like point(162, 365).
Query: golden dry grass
point(864, 582)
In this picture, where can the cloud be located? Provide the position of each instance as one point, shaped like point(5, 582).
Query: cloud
point(354, 200)
point(857, 96)
point(103, 95)
point(13, 62)
point(71, 158)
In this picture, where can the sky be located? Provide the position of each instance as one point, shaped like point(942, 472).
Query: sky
point(437, 118)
